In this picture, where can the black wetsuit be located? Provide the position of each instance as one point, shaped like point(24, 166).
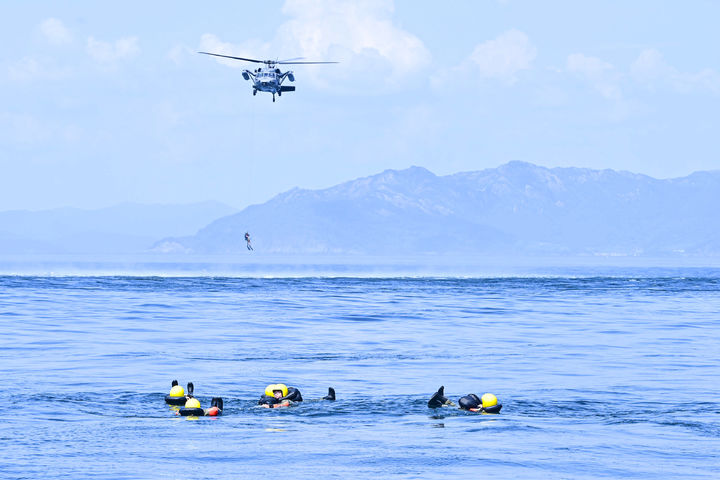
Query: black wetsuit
point(293, 395)
point(469, 401)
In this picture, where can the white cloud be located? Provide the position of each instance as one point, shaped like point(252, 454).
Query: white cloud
point(250, 49)
point(30, 68)
point(360, 35)
point(22, 129)
point(600, 74)
point(106, 52)
point(26, 69)
point(503, 57)
point(55, 31)
point(649, 66)
point(362, 29)
point(179, 53)
point(651, 69)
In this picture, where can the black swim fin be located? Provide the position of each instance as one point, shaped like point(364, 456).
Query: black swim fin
point(438, 399)
point(331, 394)
point(190, 389)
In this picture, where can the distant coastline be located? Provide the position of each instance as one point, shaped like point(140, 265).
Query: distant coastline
point(323, 265)
point(516, 210)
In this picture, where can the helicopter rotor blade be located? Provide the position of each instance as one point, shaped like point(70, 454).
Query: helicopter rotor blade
point(303, 63)
point(234, 58)
point(290, 59)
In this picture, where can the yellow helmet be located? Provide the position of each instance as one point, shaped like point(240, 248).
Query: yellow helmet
point(488, 400)
point(192, 403)
point(270, 389)
point(177, 391)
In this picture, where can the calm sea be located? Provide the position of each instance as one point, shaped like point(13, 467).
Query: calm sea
point(613, 375)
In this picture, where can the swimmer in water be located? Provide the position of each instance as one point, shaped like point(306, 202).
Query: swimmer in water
point(177, 394)
point(277, 400)
point(279, 395)
point(488, 403)
point(192, 408)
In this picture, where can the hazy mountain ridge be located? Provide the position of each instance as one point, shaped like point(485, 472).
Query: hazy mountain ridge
point(515, 208)
point(124, 228)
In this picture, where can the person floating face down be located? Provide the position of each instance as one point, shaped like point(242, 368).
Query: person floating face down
point(488, 403)
point(247, 239)
point(279, 395)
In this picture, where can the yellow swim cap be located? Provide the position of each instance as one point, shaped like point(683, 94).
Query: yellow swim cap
point(270, 389)
point(488, 400)
point(192, 403)
point(177, 391)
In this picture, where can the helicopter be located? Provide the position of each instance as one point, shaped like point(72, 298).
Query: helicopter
point(269, 78)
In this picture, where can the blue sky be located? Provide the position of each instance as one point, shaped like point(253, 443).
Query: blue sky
point(101, 103)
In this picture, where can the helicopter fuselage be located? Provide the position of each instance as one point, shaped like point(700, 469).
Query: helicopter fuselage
point(269, 79)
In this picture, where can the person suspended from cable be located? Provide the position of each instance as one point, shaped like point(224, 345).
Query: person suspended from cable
point(247, 239)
